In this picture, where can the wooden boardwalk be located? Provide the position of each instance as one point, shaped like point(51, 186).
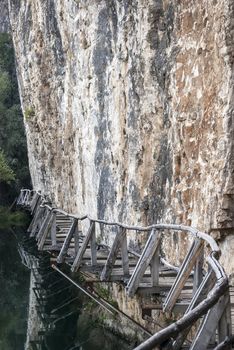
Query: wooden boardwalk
point(193, 291)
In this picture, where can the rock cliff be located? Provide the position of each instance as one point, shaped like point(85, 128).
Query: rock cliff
point(4, 18)
point(129, 108)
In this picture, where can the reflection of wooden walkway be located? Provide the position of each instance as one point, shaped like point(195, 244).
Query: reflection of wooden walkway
point(189, 289)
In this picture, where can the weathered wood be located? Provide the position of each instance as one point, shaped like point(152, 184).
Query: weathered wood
point(39, 217)
point(33, 202)
point(183, 274)
point(53, 231)
point(198, 271)
point(209, 325)
point(47, 227)
point(124, 254)
point(44, 225)
point(187, 319)
point(155, 263)
point(78, 258)
point(106, 272)
point(225, 323)
point(67, 242)
point(34, 220)
point(93, 247)
point(200, 294)
point(227, 344)
point(144, 261)
point(77, 239)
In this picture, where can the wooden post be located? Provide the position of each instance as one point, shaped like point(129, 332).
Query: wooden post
point(79, 256)
point(225, 323)
point(183, 274)
point(44, 224)
point(67, 242)
point(118, 241)
point(200, 294)
point(209, 325)
point(151, 247)
point(77, 239)
point(198, 271)
point(53, 231)
point(45, 232)
point(93, 247)
point(154, 266)
point(124, 254)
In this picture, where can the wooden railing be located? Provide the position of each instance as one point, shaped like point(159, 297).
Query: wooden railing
point(209, 297)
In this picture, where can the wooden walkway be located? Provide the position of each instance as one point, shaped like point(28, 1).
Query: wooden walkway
point(193, 291)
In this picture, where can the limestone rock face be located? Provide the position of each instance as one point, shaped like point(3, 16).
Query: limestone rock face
point(4, 18)
point(129, 107)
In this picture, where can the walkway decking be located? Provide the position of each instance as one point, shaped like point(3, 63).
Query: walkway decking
point(190, 289)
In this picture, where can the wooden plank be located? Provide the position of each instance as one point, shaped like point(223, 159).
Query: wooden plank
point(77, 239)
point(198, 272)
point(106, 272)
point(225, 324)
point(43, 225)
point(93, 247)
point(183, 274)
point(34, 201)
point(150, 248)
point(36, 222)
point(155, 264)
point(67, 242)
point(47, 227)
point(209, 324)
point(124, 254)
point(200, 294)
point(35, 217)
point(78, 258)
point(53, 231)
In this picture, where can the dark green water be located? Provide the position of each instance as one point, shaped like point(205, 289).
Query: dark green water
point(14, 282)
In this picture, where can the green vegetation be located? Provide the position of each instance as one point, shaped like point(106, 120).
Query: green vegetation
point(105, 294)
point(11, 219)
point(29, 113)
point(6, 173)
point(14, 174)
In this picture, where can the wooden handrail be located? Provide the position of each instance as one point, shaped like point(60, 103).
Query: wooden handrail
point(196, 311)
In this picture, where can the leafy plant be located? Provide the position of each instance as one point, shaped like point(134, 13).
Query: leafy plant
point(29, 112)
point(6, 173)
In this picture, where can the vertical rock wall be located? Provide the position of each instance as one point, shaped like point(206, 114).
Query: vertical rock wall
point(4, 18)
point(128, 107)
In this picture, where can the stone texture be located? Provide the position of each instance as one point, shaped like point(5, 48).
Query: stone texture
point(4, 18)
point(129, 108)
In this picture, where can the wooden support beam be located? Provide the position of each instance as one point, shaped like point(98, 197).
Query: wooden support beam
point(154, 266)
point(118, 241)
point(93, 247)
point(35, 217)
point(77, 239)
point(225, 324)
point(206, 285)
point(36, 221)
point(183, 274)
point(77, 262)
point(44, 224)
point(198, 271)
point(34, 202)
point(67, 242)
point(124, 254)
point(53, 230)
point(44, 235)
point(209, 324)
point(151, 247)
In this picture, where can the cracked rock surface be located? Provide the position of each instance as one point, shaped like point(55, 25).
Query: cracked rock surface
point(129, 108)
